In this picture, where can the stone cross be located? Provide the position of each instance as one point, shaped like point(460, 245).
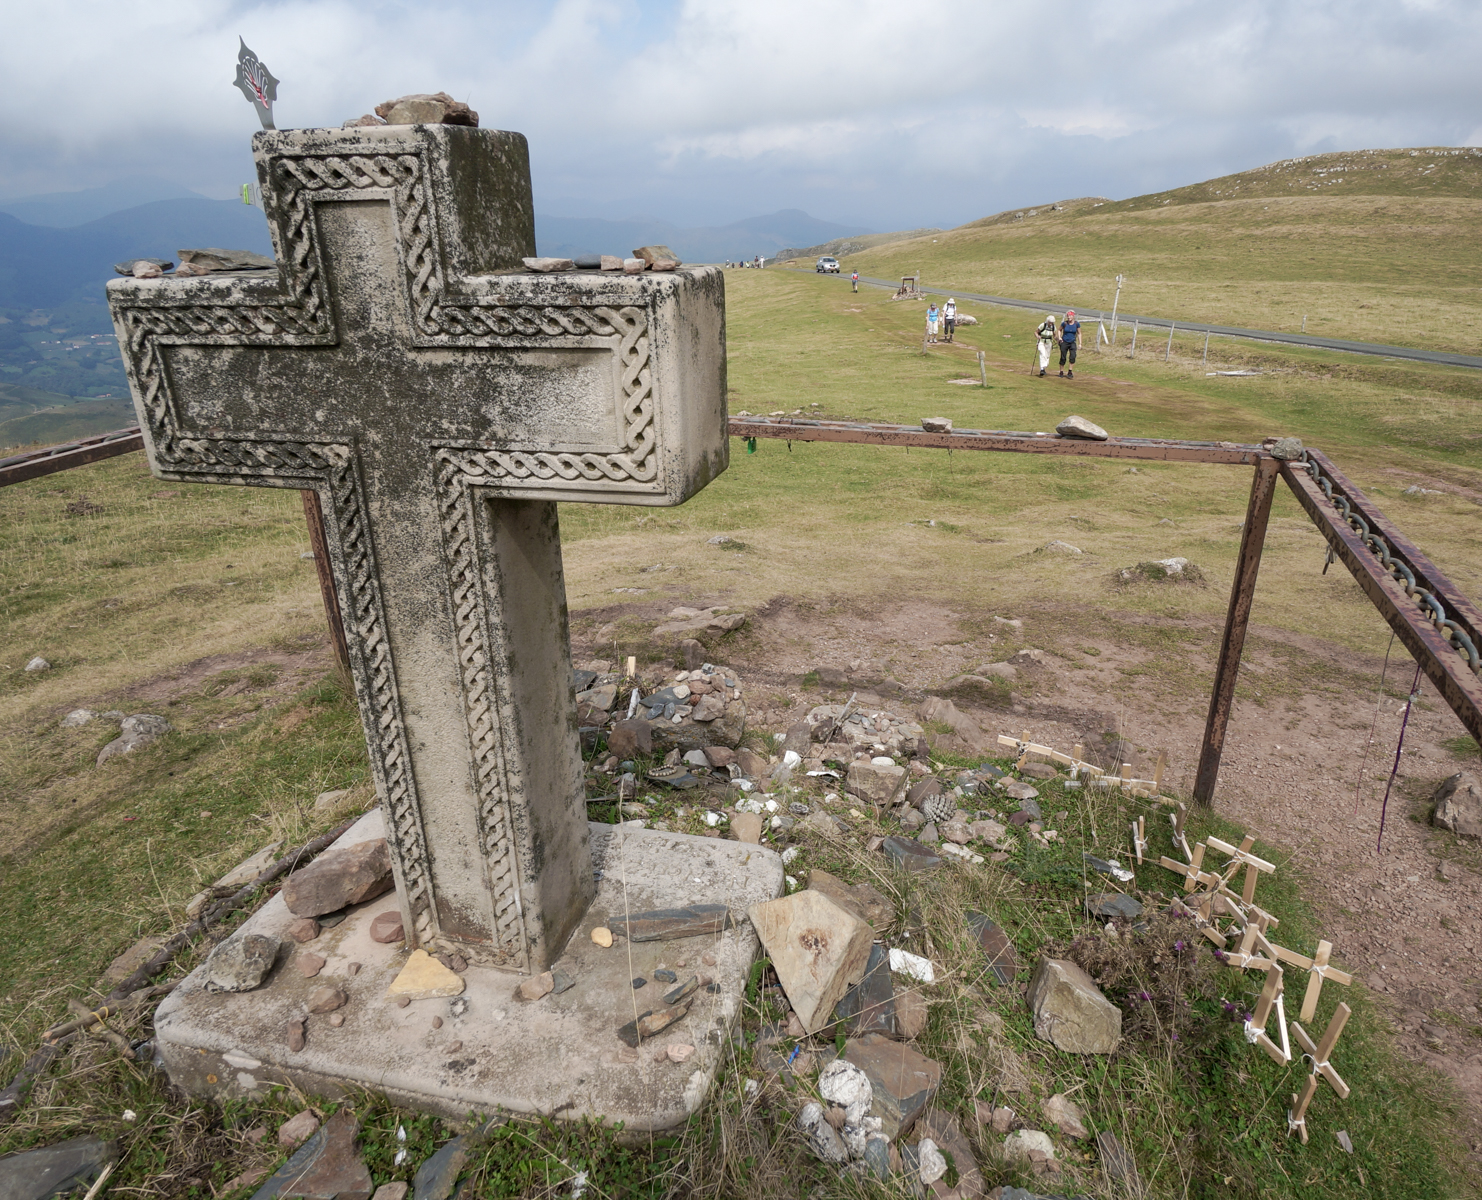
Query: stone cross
point(441, 400)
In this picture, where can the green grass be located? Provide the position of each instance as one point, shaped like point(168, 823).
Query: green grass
point(1389, 255)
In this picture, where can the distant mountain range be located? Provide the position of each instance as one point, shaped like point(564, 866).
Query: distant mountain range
point(565, 237)
point(62, 210)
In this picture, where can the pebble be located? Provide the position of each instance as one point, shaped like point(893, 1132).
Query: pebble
point(665, 976)
point(708, 959)
point(678, 1052)
point(297, 1128)
point(38, 664)
point(305, 929)
point(454, 1047)
point(403, 1001)
point(638, 982)
point(309, 965)
point(386, 928)
point(537, 986)
point(296, 1035)
point(337, 1019)
point(327, 999)
point(437, 1022)
point(602, 936)
point(352, 968)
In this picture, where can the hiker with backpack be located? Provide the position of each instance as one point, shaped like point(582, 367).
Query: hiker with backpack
point(1070, 332)
point(1047, 335)
point(931, 324)
point(949, 317)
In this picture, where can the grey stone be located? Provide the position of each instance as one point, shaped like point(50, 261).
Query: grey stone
point(1029, 805)
point(1285, 448)
point(1017, 789)
point(935, 709)
point(325, 1167)
point(38, 664)
point(942, 1129)
point(588, 262)
point(1458, 805)
point(1039, 771)
point(1066, 1116)
point(922, 788)
point(1107, 905)
point(78, 717)
point(879, 783)
point(548, 265)
point(662, 925)
point(214, 258)
point(1079, 427)
point(127, 266)
point(1117, 1162)
point(339, 877)
point(909, 855)
point(54, 1170)
point(817, 949)
point(241, 962)
point(137, 731)
point(936, 425)
point(930, 835)
point(1070, 1011)
point(427, 108)
point(823, 1140)
point(869, 1006)
point(1022, 1144)
point(877, 1155)
point(436, 1178)
point(911, 820)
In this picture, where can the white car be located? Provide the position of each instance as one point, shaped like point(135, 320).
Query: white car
point(826, 266)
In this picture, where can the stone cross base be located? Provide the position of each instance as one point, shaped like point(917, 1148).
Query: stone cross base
point(559, 1055)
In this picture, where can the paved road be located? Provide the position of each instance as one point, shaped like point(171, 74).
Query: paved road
point(1260, 335)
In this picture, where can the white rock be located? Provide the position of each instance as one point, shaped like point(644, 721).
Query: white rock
point(933, 1162)
point(844, 1084)
point(792, 759)
point(822, 1139)
point(1079, 427)
point(327, 800)
point(78, 716)
point(903, 962)
point(1017, 1145)
point(789, 854)
point(38, 664)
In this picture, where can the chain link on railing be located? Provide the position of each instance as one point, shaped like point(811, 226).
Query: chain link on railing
point(1431, 608)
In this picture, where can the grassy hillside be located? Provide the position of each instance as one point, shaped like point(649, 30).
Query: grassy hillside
point(1377, 245)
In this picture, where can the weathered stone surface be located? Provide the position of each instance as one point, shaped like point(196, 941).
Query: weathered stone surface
point(634, 266)
point(911, 1014)
point(1036, 770)
point(309, 965)
point(1003, 964)
point(876, 782)
point(424, 108)
point(53, 1170)
point(1017, 789)
point(1066, 1116)
point(902, 1081)
point(938, 710)
point(653, 1022)
point(305, 929)
point(548, 265)
point(942, 1129)
point(1107, 905)
point(424, 978)
point(138, 731)
point(656, 254)
point(1070, 1011)
point(250, 868)
point(822, 823)
point(1458, 804)
point(392, 1191)
point(326, 1167)
point(719, 756)
point(327, 998)
point(909, 855)
point(132, 959)
point(386, 928)
point(667, 924)
point(1079, 427)
point(297, 1128)
point(1020, 1145)
point(1117, 1161)
point(240, 963)
point(869, 1006)
point(922, 789)
point(864, 901)
point(128, 266)
point(747, 827)
point(339, 877)
point(537, 986)
point(817, 949)
point(629, 737)
point(611, 262)
point(214, 258)
point(936, 424)
point(823, 1139)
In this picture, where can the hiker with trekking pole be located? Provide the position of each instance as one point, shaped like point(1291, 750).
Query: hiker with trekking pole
point(1047, 337)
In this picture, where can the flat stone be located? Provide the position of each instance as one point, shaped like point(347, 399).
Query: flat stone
point(427, 108)
point(747, 827)
point(547, 265)
point(386, 927)
point(1037, 770)
point(297, 1128)
point(634, 266)
point(1079, 427)
point(340, 877)
point(817, 949)
point(823, 1139)
point(611, 262)
point(53, 1170)
point(942, 1129)
point(136, 732)
point(327, 998)
point(860, 899)
point(653, 1022)
point(1017, 789)
point(214, 258)
point(1107, 905)
point(630, 737)
point(250, 868)
point(936, 425)
point(132, 959)
point(424, 978)
point(326, 1167)
point(911, 1014)
point(656, 254)
point(821, 823)
point(719, 756)
point(128, 266)
point(869, 1006)
point(902, 1081)
point(305, 929)
point(908, 854)
point(876, 782)
point(664, 925)
point(1117, 1162)
point(309, 965)
point(1003, 964)
point(537, 986)
point(1458, 803)
point(515, 1055)
point(1066, 1116)
point(329, 801)
point(392, 1191)
point(1070, 1011)
point(957, 832)
point(240, 963)
point(587, 262)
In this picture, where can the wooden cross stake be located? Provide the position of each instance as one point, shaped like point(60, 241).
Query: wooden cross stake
point(1319, 970)
point(1320, 1052)
point(1139, 837)
point(1296, 1117)
point(1255, 1028)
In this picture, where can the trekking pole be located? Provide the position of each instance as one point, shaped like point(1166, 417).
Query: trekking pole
point(1136, 321)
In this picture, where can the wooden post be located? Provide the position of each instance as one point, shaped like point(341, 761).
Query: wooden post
point(1132, 353)
point(1242, 591)
point(314, 518)
point(1206, 347)
point(982, 368)
point(1168, 349)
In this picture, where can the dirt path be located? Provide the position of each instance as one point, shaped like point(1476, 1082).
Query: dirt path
point(1405, 920)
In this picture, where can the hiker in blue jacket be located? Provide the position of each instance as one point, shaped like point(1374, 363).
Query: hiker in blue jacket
point(1070, 332)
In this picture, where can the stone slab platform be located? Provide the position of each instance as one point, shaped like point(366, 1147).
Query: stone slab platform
point(559, 1056)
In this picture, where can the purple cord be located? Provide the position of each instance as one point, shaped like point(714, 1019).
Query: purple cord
point(1374, 724)
point(1395, 770)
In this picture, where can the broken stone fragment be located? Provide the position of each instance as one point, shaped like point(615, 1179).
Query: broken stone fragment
point(427, 108)
point(747, 827)
point(367, 121)
point(250, 868)
point(996, 947)
point(214, 258)
point(351, 875)
point(902, 1081)
point(869, 1006)
point(1066, 1116)
point(537, 986)
point(296, 1040)
point(143, 269)
point(666, 924)
point(1113, 904)
point(309, 965)
point(634, 266)
point(1458, 804)
point(327, 998)
point(653, 1022)
point(823, 1140)
point(129, 265)
point(630, 737)
point(1070, 1011)
point(860, 899)
point(909, 855)
point(297, 1129)
point(240, 963)
point(386, 928)
point(910, 1015)
point(136, 732)
point(817, 949)
point(877, 782)
point(611, 262)
point(653, 255)
point(1079, 427)
point(424, 978)
point(1117, 1162)
point(936, 425)
point(327, 1165)
point(305, 929)
point(1020, 1145)
point(548, 265)
point(678, 1052)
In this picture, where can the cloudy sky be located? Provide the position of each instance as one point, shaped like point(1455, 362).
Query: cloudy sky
point(879, 113)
